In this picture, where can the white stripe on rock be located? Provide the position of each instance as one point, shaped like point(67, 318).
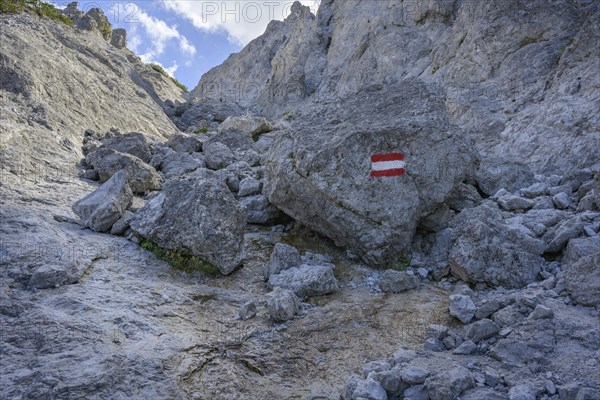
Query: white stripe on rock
point(385, 165)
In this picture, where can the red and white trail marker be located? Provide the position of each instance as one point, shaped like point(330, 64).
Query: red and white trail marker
point(391, 164)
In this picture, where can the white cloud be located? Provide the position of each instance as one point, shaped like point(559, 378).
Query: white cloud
point(241, 20)
point(155, 30)
point(171, 70)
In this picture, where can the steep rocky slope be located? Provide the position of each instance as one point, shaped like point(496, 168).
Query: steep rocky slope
point(58, 81)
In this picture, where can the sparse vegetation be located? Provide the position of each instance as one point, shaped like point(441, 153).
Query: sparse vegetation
point(399, 265)
point(201, 130)
point(182, 262)
point(160, 69)
point(33, 6)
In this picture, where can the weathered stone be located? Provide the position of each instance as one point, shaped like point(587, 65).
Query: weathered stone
point(580, 248)
point(369, 389)
point(486, 249)
point(218, 155)
point(467, 347)
point(481, 330)
point(558, 237)
point(253, 126)
point(522, 392)
point(398, 281)
point(105, 205)
point(283, 257)
point(141, 176)
point(414, 375)
point(583, 280)
point(196, 215)
point(249, 187)
point(185, 143)
point(51, 276)
point(536, 190)
point(561, 200)
point(515, 203)
point(282, 304)
point(247, 311)
point(134, 143)
point(462, 307)
point(541, 312)
point(259, 210)
point(306, 280)
point(448, 385)
point(498, 173)
point(122, 224)
point(487, 309)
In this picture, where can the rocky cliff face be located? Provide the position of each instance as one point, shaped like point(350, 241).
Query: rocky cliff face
point(518, 76)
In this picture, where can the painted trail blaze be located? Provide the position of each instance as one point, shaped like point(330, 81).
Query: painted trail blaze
point(391, 164)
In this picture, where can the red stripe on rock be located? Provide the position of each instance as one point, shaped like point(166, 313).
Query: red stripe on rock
point(387, 157)
point(389, 172)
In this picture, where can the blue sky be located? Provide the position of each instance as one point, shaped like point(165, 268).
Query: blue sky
point(189, 37)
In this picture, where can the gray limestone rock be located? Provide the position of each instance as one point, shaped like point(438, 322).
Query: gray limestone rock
point(448, 385)
point(197, 215)
point(462, 307)
point(283, 257)
point(141, 177)
point(104, 206)
point(394, 281)
point(306, 280)
point(282, 304)
point(583, 280)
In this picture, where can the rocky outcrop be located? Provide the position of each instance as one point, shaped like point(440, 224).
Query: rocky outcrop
point(195, 215)
point(319, 170)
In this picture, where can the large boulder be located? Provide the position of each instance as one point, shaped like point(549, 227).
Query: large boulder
point(319, 170)
point(282, 304)
point(487, 249)
point(497, 173)
point(104, 206)
point(196, 215)
point(106, 162)
point(253, 126)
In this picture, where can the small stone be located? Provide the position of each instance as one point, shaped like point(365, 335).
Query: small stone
point(521, 392)
point(467, 347)
point(436, 331)
point(515, 203)
point(282, 304)
point(370, 389)
point(394, 281)
point(541, 312)
point(414, 375)
point(550, 387)
point(375, 366)
point(283, 257)
point(434, 345)
point(492, 377)
point(249, 187)
point(589, 232)
point(536, 190)
point(417, 392)
point(449, 342)
point(247, 310)
point(481, 330)
point(487, 309)
point(423, 272)
point(403, 355)
point(449, 384)
point(561, 200)
point(462, 307)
